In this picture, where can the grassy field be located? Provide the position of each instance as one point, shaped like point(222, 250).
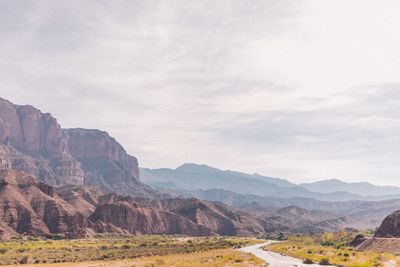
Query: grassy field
point(330, 249)
point(111, 250)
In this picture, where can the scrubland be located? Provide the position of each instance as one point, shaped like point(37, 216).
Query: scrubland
point(114, 250)
point(331, 249)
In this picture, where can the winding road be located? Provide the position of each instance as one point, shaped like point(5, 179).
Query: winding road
point(275, 259)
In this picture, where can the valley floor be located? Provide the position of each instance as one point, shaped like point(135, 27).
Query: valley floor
point(121, 251)
point(217, 258)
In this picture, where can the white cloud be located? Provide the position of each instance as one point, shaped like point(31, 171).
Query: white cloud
point(299, 89)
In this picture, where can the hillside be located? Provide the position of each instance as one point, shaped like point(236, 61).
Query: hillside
point(29, 206)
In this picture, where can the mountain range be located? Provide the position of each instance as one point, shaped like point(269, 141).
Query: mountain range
point(361, 188)
point(190, 176)
point(79, 182)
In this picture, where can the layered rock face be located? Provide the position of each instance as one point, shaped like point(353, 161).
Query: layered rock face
point(105, 162)
point(33, 142)
point(390, 226)
point(29, 206)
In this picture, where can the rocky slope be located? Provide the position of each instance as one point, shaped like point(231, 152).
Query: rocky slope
point(220, 218)
point(33, 142)
point(121, 214)
point(114, 213)
point(295, 218)
point(29, 206)
point(387, 236)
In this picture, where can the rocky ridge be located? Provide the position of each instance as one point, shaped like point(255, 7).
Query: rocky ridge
point(29, 206)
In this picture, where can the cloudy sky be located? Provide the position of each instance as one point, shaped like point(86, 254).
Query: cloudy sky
point(296, 89)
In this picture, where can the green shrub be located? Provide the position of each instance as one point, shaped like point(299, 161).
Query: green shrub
point(308, 261)
point(324, 261)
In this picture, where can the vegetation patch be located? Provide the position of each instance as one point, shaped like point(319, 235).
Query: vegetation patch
point(110, 248)
point(330, 249)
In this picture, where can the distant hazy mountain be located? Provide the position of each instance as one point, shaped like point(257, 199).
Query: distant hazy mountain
point(188, 170)
point(362, 188)
point(355, 213)
point(263, 202)
point(192, 177)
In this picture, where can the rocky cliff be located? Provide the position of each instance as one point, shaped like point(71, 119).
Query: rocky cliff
point(33, 142)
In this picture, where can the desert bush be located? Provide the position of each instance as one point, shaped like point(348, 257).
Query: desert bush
point(308, 261)
point(23, 260)
point(324, 261)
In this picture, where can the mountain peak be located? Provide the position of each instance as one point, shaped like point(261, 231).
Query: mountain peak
point(196, 167)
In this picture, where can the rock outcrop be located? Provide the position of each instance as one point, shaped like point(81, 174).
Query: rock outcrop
point(33, 142)
point(83, 198)
point(390, 226)
point(29, 206)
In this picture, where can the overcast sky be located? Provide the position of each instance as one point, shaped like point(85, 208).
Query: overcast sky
point(303, 90)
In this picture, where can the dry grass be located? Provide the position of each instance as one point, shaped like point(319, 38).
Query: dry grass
point(217, 258)
point(111, 248)
point(311, 249)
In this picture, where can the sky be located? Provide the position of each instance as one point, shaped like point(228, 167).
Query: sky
point(304, 90)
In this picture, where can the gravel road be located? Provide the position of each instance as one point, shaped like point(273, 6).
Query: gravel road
point(275, 259)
